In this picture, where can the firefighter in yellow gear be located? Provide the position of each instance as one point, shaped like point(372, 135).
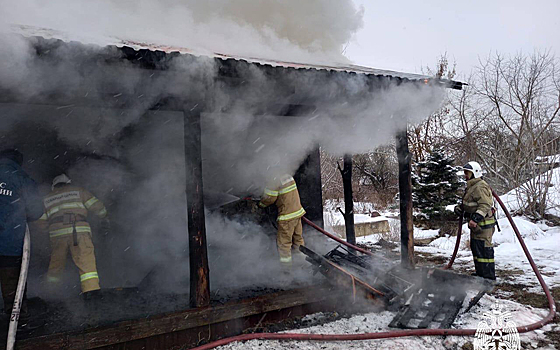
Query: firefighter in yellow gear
point(284, 194)
point(66, 210)
point(477, 206)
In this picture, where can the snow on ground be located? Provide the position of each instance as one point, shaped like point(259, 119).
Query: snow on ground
point(378, 322)
point(542, 241)
point(333, 217)
point(422, 234)
point(544, 247)
point(516, 198)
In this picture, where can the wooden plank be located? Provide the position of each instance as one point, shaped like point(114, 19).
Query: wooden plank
point(198, 252)
point(455, 306)
point(433, 310)
point(405, 191)
point(139, 329)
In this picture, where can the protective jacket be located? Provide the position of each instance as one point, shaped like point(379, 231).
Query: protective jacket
point(284, 194)
point(478, 203)
point(19, 202)
point(66, 210)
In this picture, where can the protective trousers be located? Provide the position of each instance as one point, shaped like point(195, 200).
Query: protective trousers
point(483, 256)
point(83, 256)
point(290, 234)
point(10, 267)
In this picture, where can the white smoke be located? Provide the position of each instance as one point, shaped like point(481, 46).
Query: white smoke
point(299, 31)
point(240, 144)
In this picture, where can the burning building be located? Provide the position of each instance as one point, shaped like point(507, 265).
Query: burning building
point(141, 125)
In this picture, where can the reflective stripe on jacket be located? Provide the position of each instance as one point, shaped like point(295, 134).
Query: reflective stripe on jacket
point(284, 194)
point(67, 207)
point(478, 199)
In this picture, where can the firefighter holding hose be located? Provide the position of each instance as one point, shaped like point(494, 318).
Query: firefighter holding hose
point(284, 194)
point(477, 206)
point(66, 210)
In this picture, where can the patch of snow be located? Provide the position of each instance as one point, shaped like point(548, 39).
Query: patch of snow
point(515, 199)
point(420, 233)
point(527, 229)
point(444, 243)
point(370, 239)
point(331, 218)
point(378, 322)
point(450, 207)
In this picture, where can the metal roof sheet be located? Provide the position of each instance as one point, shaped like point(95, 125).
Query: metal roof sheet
point(31, 31)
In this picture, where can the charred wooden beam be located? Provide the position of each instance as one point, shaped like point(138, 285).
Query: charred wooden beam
point(198, 254)
point(188, 328)
point(405, 193)
point(342, 277)
point(346, 173)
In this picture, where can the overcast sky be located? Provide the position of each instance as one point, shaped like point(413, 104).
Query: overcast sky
point(406, 35)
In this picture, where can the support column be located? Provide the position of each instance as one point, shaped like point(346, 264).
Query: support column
point(198, 254)
point(405, 193)
point(308, 180)
point(346, 173)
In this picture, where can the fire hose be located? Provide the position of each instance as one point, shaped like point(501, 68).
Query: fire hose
point(20, 291)
point(402, 333)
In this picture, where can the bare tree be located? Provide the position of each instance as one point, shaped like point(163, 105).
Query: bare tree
point(519, 98)
point(330, 177)
point(376, 173)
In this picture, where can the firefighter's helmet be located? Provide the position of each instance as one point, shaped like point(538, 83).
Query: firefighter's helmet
point(61, 179)
point(474, 168)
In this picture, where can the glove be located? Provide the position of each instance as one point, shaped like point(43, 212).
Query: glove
point(458, 209)
point(476, 217)
point(105, 226)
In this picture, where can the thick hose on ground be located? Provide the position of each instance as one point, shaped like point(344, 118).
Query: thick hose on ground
point(457, 242)
point(331, 236)
point(20, 290)
point(401, 333)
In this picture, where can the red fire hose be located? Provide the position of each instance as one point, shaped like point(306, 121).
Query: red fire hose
point(341, 241)
point(457, 242)
point(402, 333)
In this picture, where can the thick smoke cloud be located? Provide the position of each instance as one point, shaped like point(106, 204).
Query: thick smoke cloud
point(299, 31)
point(133, 158)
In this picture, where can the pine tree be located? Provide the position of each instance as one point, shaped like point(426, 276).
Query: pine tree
point(436, 184)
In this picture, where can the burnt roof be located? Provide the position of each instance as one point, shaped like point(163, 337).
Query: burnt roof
point(156, 56)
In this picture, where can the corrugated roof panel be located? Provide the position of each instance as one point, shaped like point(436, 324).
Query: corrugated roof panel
point(30, 31)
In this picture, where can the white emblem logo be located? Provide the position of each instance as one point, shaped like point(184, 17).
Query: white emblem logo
point(4, 191)
point(498, 332)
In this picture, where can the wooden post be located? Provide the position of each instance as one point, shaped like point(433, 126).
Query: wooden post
point(346, 173)
point(405, 193)
point(198, 255)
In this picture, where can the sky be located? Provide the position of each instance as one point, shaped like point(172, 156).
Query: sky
point(406, 35)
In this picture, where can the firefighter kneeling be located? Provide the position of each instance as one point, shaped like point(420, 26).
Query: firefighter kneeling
point(478, 208)
point(66, 209)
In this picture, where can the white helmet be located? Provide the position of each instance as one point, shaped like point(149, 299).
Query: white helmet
point(474, 168)
point(61, 179)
